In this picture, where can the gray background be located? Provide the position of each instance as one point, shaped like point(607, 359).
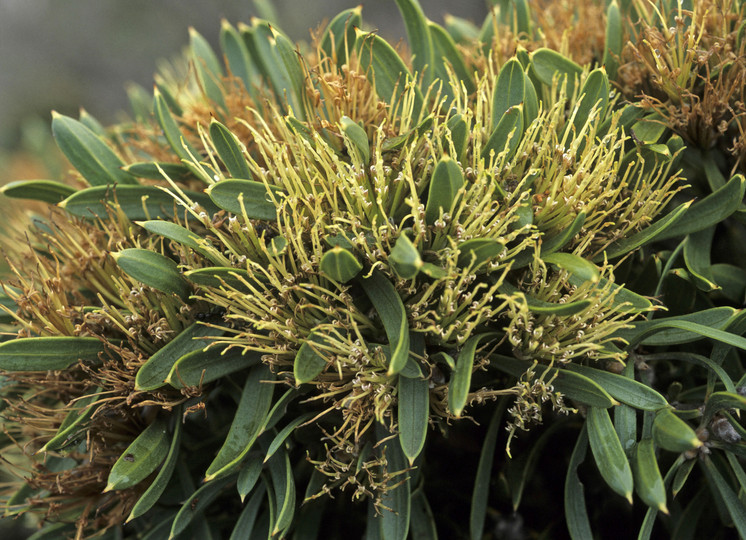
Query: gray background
point(66, 54)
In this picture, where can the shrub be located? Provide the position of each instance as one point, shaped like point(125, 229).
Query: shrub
point(302, 293)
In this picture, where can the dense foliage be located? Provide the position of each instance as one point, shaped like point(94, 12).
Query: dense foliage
point(304, 290)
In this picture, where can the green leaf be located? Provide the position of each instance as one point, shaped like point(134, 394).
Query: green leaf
point(625, 417)
point(506, 135)
point(548, 63)
point(446, 53)
point(561, 239)
point(390, 308)
point(357, 136)
point(205, 366)
point(480, 495)
point(461, 30)
point(136, 202)
point(247, 519)
point(458, 387)
point(682, 474)
point(691, 329)
point(153, 373)
point(719, 401)
point(413, 411)
point(648, 480)
point(711, 210)
point(420, 40)
point(48, 353)
point(197, 503)
point(396, 501)
point(37, 190)
point(207, 67)
point(509, 90)
point(154, 491)
point(400, 141)
point(657, 332)
point(645, 236)
point(294, 85)
point(74, 421)
point(255, 198)
point(697, 247)
point(281, 475)
point(141, 458)
point(309, 362)
point(153, 269)
point(593, 94)
point(386, 71)
point(340, 264)
point(459, 131)
point(338, 38)
point(672, 433)
point(284, 433)
point(626, 390)
point(170, 128)
point(477, 251)
point(249, 475)
point(90, 155)
point(573, 385)
point(229, 149)
point(421, 519)
point(248, 423)
point(649, 129)
point(576, 514)
point(445, 183)
point(405, 259)
point(576, 265)
point(218, 276)
point(614, 40)
point(540, 307)
point(181, 235)
point(608, 452)
point(157, 170)
point(238, 58)
point(733, 504)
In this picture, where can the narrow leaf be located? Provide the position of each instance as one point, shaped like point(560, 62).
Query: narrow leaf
point(90, 155)
point(593, 94)
point(445, 183)
point(248, 422)
point(48, 353)
point(576, 513)
point(309, 361)
point(141, 458)
point(74, 421)
point(357, 136)
point(578, 266)
point(648, 480)
point(249, 475)
point(37, 190)
point(204, 366)
point(154, 491)
point(153, 269)
point(208, 68)
point(246, 521)
point(405, 259)
point(420, 39)
point(477, 251)
point(458, 387)
point(548, 63)
point(672, 433)
point(573, 385)
point(386, 71)
point(255, 198)
point(340, 264)
point(446, 53)
point(229, 149)
point(338, 38)
point(629, 391)
point(506, 135)
point(390, 308)
point(413, 411)
point(153, 373)
point(170, 128)
point(136, 202)
point(509, 90)
point(197, 503)
point(480, 495)
point(284, 433)
point(733, 504)
point(711, 210)
point(614, 40)
point(608, 452)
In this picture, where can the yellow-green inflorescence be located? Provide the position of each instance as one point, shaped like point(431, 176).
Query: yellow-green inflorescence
point(354, 230)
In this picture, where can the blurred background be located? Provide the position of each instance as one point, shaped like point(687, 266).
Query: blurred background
point(65, 55)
